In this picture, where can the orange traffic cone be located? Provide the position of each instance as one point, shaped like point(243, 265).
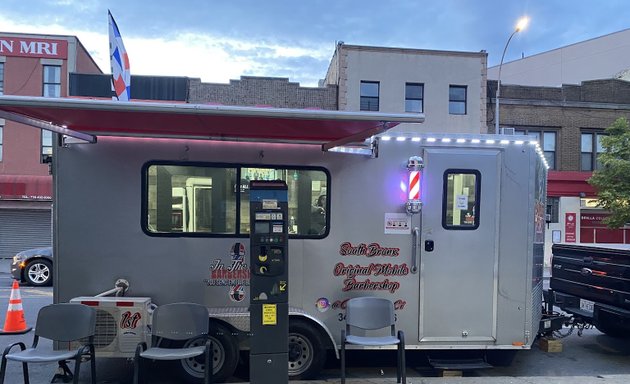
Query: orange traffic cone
point(15, 323)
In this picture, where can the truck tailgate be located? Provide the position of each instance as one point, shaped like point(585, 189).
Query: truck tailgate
point(595, 273)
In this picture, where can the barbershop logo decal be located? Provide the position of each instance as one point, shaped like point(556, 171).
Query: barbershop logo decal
point(129, 320)
point(234, 275)
point(352, 271)
point(369, 250)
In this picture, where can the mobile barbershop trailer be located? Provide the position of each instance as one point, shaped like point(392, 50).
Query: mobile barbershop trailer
point(154, 198)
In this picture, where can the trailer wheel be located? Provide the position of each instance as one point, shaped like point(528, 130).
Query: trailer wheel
point(307, 353)
point(224, 357)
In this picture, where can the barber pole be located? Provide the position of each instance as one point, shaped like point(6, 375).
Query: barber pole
point(414, 185)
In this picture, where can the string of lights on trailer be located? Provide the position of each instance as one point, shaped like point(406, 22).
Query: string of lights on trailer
point(488, 139)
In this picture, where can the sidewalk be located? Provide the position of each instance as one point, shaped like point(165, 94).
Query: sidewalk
point(607, 379)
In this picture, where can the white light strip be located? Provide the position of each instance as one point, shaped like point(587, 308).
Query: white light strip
point(386, 138)
point(415, 139)
point(475, 141)
point(461, 140)
point(401, 138)
point(490, 141)
point(446, 140)
point(431, 140)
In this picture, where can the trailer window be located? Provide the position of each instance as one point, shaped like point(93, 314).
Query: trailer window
point(190, 199)
point(194, 200)
point(460, 203)
point(307, 194)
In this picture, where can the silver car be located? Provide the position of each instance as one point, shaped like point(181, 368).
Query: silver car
point(33, 266)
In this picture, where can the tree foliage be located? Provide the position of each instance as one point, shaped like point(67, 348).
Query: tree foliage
point(612, 179)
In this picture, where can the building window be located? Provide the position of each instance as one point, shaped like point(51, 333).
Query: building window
point(553, 207)
point(1, 78)
point(591, 148)
point(46, 153)
point(547, 141)
point(1, 134)
point(369, 95)
point(414, 97)
point(457, 100)
point(460, 203)
point(52, 81)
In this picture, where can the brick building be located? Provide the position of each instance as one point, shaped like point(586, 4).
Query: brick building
point(31, 65)
point(569, 121)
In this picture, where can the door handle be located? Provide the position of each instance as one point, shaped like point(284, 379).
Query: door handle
point(415, 238)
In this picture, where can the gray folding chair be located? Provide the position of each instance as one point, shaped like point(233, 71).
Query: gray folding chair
point(58, 322)
point(369, 314)
point(177, 321)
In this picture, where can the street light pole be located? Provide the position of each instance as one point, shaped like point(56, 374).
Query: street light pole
point(522, 23)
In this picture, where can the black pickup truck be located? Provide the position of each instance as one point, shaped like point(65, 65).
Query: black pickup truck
point(592, 282)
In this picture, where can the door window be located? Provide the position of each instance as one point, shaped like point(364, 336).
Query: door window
point(460, 203)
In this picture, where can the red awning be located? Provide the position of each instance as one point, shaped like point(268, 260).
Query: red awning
point(143, 119)
point(18, 187)
point(565, 183)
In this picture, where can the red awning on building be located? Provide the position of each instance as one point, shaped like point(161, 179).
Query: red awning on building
point(566, 183)
point(18, 187)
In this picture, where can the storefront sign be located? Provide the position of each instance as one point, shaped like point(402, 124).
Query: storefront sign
point(570, 227)
point(25, 47)
point(593, 220)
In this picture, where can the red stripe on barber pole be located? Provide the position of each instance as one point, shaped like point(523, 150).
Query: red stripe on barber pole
point(414, 185)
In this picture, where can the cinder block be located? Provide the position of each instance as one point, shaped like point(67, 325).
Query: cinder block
point(549, 344)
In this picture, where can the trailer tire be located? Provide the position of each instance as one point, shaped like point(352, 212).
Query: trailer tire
point(225, 357)
point(307, 352)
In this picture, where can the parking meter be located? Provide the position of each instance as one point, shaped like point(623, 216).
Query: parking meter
point(269, 282)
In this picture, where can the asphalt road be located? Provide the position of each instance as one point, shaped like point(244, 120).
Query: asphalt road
point(591, 357)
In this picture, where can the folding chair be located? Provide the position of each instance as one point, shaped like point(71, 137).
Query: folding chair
point(369, 314)
point(58, 322)
point(177, 321)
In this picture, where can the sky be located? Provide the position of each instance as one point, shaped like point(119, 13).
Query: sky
point(218, 40)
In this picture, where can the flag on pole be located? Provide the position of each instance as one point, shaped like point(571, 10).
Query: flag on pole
point(119, 61)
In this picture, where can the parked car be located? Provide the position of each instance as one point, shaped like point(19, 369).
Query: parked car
point(33, 266)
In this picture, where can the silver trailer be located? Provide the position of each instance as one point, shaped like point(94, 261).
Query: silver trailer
point(154, 197)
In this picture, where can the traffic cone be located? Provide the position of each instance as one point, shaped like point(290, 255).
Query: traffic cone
point(15, 323)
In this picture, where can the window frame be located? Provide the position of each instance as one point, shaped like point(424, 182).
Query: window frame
point(237, 224)
point(593, 154)
point(44, 157)
point(476, 206)
point(541, 140)
point(377, 97)
point(1, 78)
point(421, 99)
point(46, 83)
point(553, 209)
point(451, 101)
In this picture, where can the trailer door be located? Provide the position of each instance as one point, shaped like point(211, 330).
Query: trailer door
point(458, 266)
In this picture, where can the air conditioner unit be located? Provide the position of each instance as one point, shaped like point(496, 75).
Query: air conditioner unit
point(506, 131)
point(121, 323)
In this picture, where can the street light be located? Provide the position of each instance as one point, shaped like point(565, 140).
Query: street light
point(520, 25)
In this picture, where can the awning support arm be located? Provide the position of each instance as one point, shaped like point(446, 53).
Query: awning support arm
point(384, 126)
point(47, 126)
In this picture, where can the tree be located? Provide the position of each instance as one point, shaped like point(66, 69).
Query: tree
point(612, 179)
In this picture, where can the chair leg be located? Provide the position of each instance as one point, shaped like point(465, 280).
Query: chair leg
point(93, 363)
point(403, 363)
point(398, 375)
point(77, 369)
point(343, 362)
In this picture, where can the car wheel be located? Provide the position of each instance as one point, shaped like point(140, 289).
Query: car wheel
point(38, 273)
point(307, 353)
point(224, 357)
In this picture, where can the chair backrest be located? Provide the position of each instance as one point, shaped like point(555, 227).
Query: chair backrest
point(369, 313)
point(180, 321)
point(66, 321)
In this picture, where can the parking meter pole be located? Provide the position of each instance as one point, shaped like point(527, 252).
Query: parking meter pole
point(269, 282)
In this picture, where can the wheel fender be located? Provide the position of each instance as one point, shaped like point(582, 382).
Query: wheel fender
point(297, 313)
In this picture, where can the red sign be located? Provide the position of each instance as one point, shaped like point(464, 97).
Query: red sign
point(25, 47)
point(593, 220)
point(570, 227)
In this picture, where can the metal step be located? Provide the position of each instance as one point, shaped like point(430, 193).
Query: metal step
point(459, 364)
